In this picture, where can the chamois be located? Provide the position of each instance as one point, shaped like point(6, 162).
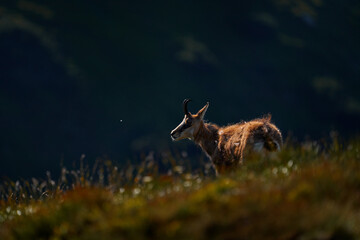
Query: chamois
point(226, 146)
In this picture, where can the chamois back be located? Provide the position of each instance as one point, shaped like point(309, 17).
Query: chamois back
point(233, 142)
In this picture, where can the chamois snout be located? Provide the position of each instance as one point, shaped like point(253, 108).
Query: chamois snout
point(174, 135)
point(183, 130)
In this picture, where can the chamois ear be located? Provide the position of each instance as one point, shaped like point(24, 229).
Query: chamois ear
point(201, 112)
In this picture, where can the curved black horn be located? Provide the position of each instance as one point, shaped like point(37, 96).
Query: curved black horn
point(185, 106)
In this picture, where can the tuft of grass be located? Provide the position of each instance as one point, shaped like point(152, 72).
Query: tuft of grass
point(306, 191)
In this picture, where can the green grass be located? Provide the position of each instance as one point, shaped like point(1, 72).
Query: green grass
point(303, 192)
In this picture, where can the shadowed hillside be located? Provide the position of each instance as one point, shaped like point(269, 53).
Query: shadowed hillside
point(108, 79)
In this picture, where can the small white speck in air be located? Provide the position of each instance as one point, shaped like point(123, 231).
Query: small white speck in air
point(121, 120)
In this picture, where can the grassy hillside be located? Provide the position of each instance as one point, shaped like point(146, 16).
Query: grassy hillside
point(304, 192)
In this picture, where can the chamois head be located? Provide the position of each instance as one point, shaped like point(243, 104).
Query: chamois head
point(189, 126)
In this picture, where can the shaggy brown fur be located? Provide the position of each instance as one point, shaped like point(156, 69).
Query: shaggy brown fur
point(226, 146)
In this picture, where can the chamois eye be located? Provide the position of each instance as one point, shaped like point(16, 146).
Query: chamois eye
point(188, 123)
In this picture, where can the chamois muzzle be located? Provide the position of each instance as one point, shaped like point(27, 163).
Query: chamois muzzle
point(173, 135)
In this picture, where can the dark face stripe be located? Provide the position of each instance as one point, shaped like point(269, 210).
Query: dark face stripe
point(185, 126)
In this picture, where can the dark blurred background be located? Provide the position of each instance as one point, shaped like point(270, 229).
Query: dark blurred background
point(107, 79)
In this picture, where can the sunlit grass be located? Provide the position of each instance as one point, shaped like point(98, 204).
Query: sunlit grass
point(307, 191)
